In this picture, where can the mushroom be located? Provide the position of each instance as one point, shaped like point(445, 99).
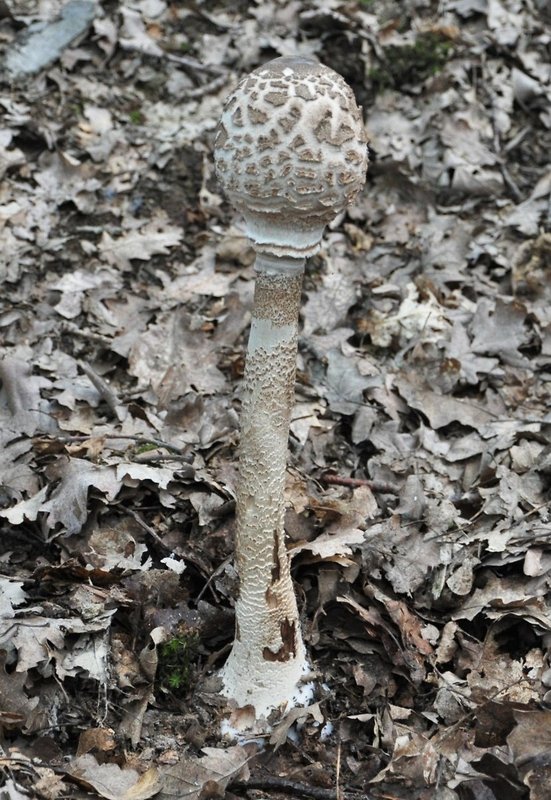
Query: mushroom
point(290, 155)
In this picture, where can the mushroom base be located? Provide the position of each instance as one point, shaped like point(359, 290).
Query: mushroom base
point(266, 687)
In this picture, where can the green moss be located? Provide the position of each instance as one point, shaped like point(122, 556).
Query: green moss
point(146, 448)
point(411, 64)
point(136, 117)
point(176, 659)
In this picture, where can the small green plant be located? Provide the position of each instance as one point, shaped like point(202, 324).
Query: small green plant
point(146, 447)
point(176, 659)
point(411, 64)
point(136, 117)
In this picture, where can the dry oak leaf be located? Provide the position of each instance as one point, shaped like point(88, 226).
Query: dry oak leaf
point(22, 410)
point(499, 329)
point(134, 710)
point(40, 642)
point(504, 596)
point(440, 409)
point(410, 626)
point(15, 706)
point(530, 743)
point(191, 776)
point(414, 761)
point(101, 739)
point(11, 594)
point(26, 509)
point(173, 358)
point(344, 383)
point(405, 554)
point(67, 505)
point(112, 782)
point(156, 238)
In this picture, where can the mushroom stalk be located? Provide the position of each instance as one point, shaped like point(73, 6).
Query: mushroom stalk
point(290, 154)
point(268, 657)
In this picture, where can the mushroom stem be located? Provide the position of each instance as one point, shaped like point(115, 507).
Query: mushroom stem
point(268, 657)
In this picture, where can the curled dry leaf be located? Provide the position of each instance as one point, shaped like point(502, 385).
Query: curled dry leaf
point(216, 769)
point(113, 782)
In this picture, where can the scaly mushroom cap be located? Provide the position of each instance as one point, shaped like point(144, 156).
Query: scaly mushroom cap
point(291, 153)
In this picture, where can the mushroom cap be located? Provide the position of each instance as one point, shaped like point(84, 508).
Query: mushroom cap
point(291, 153)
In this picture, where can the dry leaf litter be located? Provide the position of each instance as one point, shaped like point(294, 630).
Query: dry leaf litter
point(420, 464)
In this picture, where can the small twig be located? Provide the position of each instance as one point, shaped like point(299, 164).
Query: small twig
point(157, 458)
point(506, 175)
point(89, 335)
point(195, 64)
point(516, 140)
point(140, 440)
point(153, 533)
point(510, 183)
point(384, 487)
point(294, 788)
point(207, 88)
point(105, 390)
point(219, 569)
point(153, 51)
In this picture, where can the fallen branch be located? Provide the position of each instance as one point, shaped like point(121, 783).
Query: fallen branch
point(296, 789)
point(384, 487)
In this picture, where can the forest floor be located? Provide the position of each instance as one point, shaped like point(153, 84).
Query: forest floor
point(420, 456)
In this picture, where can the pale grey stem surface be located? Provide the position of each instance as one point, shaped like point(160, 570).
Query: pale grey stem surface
point(268, 656)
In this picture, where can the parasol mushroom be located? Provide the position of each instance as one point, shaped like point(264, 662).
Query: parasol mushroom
point(290, 155)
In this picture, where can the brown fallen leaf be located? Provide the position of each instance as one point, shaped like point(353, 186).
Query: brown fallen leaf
point(113, 782)
point(281, 731)
point(440, 409)
point(192, 777)
point(101, 739)
point(134, 710)
point(530, 744)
